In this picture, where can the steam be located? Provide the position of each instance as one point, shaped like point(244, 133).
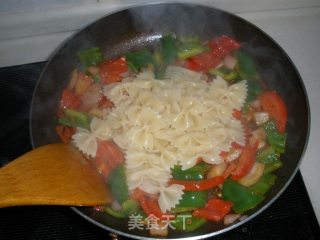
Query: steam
point(180, 19)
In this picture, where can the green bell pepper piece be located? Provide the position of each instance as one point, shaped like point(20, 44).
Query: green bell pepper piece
point(274, 138)
point(198, 172)
point(128, 207)
point(118, 185)
point(139, 60)
point(90, 56)
point(159, 65)
point(74, 118)
point(169, 49)
point(165, 56)
point(271, 167)
point(271, 159)
point(197, 199)
point(264, 184)
point(246, 65)
point(254, 89)
point(190, 48)
point(267, 155)
point(187, 222)
point(243, 198)
point(225, 73)
point(182, 209)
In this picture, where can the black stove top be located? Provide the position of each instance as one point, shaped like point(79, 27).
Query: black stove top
point(289, 217)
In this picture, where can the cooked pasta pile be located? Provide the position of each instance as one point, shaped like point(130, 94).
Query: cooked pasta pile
point(159, 124)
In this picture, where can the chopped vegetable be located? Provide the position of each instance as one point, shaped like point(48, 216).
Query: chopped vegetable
point(197, 172)
point(267, 155)
point(224, 72)
point(168, 49)
point(217, 170)
point(274, 138)
point(220, 47)
point(65, 133)
point(138, 60)
point(118, 184)
point(245, 161)
point(243, 198)
point(195, 199)
point(113, 70)
point(191, 48)
point(272, 103)
point(187, 222)
point(214, 210)
point(253, 176)
point(254, 89)
point(69, 99)
point(271, 167)
point(199, 185)
point(74, 118)
point(128, 207)
point(246, 65)
point(264, 184)
point(90, 56)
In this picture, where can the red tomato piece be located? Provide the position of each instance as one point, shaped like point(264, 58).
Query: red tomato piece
point(105, 103)
point(65, 133)
point(215, 210)
point(108, 156)
point(199, 185)
point(223, 45)
point(220, 48)
point(245, 161)
point(111, 71)
point(149, 204)
point(69, 99)
point(202, 62)
point(272, 103)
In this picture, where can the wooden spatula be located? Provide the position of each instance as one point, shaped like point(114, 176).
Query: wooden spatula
point(55, 174)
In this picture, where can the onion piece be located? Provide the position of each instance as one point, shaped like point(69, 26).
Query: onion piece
point(92, 96)
point(253, 176)
point(73, 79)
point(233, 155)
point(230, 61)
point(231, 218)
point(159, 229)
point(217, 170)
point(115, 205)
point(258, 135)
point(93, 70)
point(261, 118)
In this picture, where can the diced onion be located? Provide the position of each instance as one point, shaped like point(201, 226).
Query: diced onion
point(261, 118)
point(230, 61)
point(217, 170)
point(253, 176)
point(231, 218)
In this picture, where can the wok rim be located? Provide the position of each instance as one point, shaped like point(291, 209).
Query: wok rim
point(265, 205)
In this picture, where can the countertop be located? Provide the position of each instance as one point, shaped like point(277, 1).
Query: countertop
point(30, 34)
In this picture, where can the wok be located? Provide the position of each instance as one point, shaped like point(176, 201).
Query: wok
point(141, 27)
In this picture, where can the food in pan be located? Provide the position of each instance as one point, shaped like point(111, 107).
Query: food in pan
point(184, 133)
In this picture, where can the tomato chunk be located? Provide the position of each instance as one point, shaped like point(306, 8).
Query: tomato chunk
point(245, 161)
point(111, 71)
point(108, 156)
point(214, 210)
point(272, 103)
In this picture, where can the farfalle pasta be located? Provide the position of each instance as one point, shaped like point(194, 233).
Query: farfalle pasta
point(193, 121)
